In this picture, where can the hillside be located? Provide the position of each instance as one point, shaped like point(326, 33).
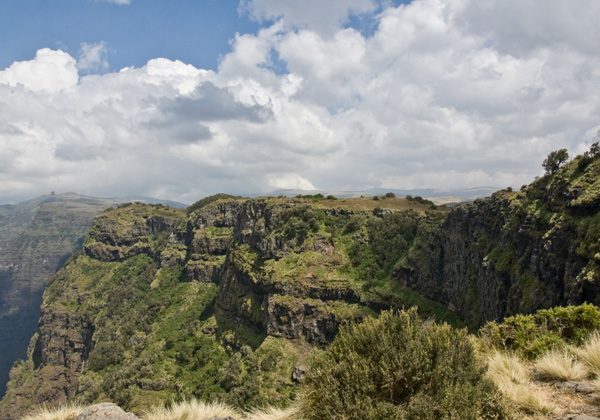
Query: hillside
point(229, 299)
point(516, 251)
point(36, 238)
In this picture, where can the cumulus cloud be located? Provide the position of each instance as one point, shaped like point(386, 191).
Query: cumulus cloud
point(313, 14)
point(442, 94)
point(49, 71)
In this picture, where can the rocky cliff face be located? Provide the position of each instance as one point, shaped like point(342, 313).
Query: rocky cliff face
point(36, 238)
point(515, 252)
point(227, 301)
point(224, 301)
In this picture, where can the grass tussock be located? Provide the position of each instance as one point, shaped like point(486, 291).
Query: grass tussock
point(505, 366)
point(512, 378)
point(64, 412)
point(589, 353)
point(557, 365)
point(273, 413)
point(190, 410)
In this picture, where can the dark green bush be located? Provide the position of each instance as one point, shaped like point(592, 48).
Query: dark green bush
point(399, 367)
point(298, 222)
point(210, 199)
point(534, 334)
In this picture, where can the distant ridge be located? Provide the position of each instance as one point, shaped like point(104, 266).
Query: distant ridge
point(438, 196)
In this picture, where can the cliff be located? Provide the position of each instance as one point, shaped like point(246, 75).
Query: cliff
point(226, 301)
point(36, 238)
point(515, 252)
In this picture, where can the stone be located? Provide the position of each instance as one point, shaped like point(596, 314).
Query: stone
point(106, 411)
point(299, 373)
point(578, 417)
point(578, 387)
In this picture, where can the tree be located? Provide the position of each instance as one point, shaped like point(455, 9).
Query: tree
point(555, 160)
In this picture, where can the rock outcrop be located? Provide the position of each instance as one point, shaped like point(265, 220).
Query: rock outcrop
point(514, 252)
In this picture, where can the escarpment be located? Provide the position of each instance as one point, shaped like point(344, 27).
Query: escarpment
point(228, 299)
point(515, 252)
point(222, 302)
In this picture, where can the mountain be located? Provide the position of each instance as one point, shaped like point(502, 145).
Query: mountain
point(231, 298)
point(36, 238)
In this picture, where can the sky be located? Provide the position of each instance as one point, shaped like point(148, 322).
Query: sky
point(182, 99)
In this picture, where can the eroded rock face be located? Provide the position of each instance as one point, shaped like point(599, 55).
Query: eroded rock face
point(501, 256)
point(131, 231)
point(292, 318)
point(57, 358)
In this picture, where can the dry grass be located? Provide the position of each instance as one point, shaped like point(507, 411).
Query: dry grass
point(64, 412)
point(559, 365)
point(589, 353)
point(272, 413)
point(507, 367)
point(190, 410)
point(186, 410)
point(512, 379)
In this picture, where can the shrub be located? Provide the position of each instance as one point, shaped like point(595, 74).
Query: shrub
point(207, 200)
point(533, 335)
point(399, 367)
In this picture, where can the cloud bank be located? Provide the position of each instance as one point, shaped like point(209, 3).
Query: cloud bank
point(441, 94)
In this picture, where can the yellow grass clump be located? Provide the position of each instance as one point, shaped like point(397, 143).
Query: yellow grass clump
point(190, 410)
point(559, 365)
point(272, 413)
point(63, 412)
point(589, 353)
point(512, 379)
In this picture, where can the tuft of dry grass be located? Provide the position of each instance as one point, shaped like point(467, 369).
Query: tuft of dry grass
point(507, 367)
point(190, 410)
point(272, 413)
point(589, 353)
point(63, 412)
point(559, 365)
point(512, 379)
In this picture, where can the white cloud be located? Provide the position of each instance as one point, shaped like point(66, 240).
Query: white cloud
point(290, 181)
point(440, 95)
point(93, 57)
point(322, 16)
point(49, 71)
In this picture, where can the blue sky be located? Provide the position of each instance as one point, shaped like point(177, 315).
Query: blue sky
point(193, 31)
point(182, 99)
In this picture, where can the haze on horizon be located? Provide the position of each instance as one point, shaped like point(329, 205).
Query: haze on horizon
point(179, 100)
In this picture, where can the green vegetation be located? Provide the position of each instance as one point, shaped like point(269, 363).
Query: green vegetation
point(532, 335)
point(226, 302)
point(555, 160)
point(399, 367)
point(211, 199)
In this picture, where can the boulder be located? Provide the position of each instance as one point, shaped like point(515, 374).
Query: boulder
point(105, 411)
